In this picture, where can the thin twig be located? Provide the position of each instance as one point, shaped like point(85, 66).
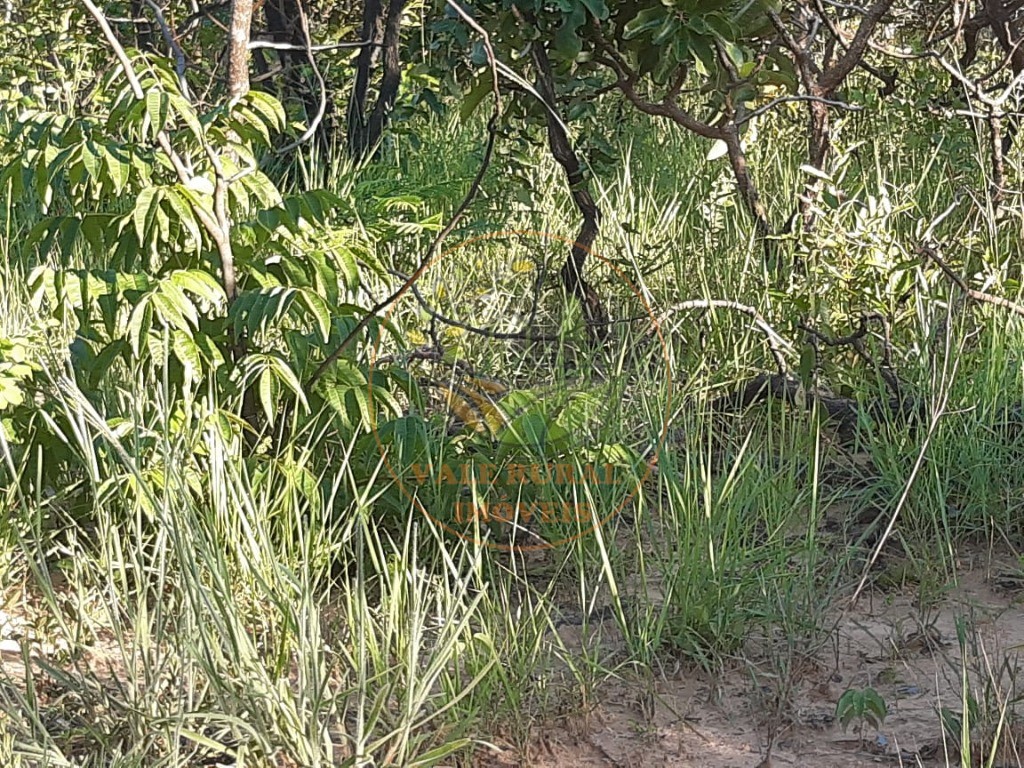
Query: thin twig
point(798, 97)
point(971, 293)
point(856, 340)
point(271, 44)
point(501, 335)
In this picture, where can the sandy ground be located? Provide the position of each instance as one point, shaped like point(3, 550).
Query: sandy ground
point(686, 717)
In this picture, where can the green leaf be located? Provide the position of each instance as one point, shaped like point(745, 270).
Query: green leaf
point(208, 349)
point(529, 431)
point(199, 283)
point(269, 108)
point(436, 755)
point(734, 52)
point(647, 20)
point(668, 30)
point(320, 311)
point(139, 323)
point(262, 188)
point(187, 352)
point(118, 169)
point(597, 8)
point(145, 211)
point(875, 710)
point(174, 307)
point(186, 217)
point(567, 44)
point(156, 110)
point(349, 267)
point(482, 87)
point(184, 110)
point(808, 359)
point(69, 229)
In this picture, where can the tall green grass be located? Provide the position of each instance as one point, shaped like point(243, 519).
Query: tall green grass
point(203, 605)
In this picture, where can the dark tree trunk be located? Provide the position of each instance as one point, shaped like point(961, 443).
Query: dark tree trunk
point(143, 29)
point(284, 22)
point(382, 27)
point(391, 77)
point(1006, 25)
point(562, 150)
point(373, 37)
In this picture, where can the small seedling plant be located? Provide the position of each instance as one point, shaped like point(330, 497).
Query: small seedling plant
point(862, 706)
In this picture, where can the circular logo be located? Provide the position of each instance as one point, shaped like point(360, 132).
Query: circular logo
point(516, 468)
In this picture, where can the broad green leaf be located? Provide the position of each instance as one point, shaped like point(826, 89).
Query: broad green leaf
point(186, 217)
point(320, 311)
point(156, 110)
point(567, 42)
point(269, 108)
point(480, 89)
point(118, 169)
point(186, 112)
point(199, 283)
point(145, 211)
point(646, 20)
point(597, 8)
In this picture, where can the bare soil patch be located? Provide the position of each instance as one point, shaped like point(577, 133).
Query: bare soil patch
point(911, 654)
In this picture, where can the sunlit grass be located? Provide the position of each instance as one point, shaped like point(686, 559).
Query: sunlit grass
point(199, 606)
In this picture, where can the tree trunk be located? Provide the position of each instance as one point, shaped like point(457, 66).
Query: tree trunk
point(561, 149)
point(238, 48)
point(1006, 28)
point(824, 85)
point(391, 77)
point(751, 198)
point(143, 29)
point(819, 147)
point(284, 22)
point(369, 54)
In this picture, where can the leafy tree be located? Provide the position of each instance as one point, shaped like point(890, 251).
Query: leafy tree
point(208, 276)
point(710, 67)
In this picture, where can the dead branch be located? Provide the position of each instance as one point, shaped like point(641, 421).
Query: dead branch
point(979, 296)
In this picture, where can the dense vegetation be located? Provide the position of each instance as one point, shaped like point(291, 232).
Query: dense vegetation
point(348, 352)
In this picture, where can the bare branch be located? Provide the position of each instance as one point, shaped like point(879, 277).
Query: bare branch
point(474, 329)
point(798, 97)
point(971, 293)
point(837, 73)
point(258, 43)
